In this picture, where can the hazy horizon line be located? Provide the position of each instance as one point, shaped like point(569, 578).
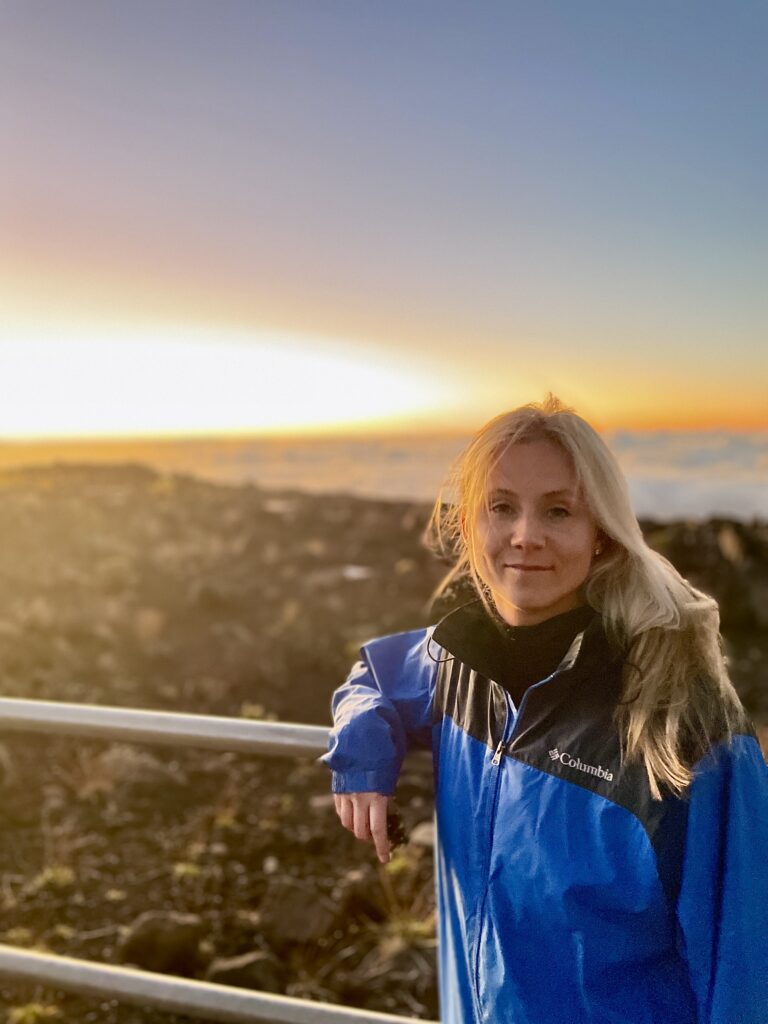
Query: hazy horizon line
point(404, 433)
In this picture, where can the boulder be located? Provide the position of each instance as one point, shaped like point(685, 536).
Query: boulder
point(164, 941)
point(295, 912)
point(257, 970)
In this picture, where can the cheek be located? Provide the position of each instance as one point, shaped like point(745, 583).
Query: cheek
point(489, 559)
point(480, 547)
point(485, 540)
point(578, 548)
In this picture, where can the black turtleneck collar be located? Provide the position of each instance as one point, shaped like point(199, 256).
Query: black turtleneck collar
point(553, 628)
point(516, 656)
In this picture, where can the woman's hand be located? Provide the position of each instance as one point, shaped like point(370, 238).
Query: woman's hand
point(365, 814)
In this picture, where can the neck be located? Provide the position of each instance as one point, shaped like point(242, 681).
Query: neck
point(522, 625)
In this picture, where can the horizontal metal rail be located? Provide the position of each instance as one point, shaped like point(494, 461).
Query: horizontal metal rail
point(162, 992)
point(281, 739)
point(209, 1001)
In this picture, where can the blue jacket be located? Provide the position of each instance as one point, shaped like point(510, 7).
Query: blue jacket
point(566, 894)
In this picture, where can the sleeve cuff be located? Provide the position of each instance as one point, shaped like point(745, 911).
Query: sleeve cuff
point(373, 780)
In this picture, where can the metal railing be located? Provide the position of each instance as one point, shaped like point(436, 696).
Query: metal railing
point(206, 1000)
point(275, 739)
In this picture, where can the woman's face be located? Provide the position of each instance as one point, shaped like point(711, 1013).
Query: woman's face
point(535, 543)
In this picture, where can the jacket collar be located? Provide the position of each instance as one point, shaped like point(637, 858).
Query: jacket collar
point(472, 636)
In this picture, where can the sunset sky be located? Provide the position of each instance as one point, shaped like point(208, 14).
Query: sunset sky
point(242, 216)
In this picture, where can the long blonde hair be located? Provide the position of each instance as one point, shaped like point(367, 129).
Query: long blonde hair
point(676, 698)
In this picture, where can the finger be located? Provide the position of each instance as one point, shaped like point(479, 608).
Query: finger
point(362, 828)
point(344, 811)
point(339, 799)
point(378, 818)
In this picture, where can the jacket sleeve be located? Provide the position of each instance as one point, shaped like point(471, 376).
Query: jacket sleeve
point(723, 902)
point(382, 709)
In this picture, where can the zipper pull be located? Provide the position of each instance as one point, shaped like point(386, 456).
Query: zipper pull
point(497, 755)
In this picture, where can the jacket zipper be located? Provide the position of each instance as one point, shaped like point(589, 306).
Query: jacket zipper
point(495, 762)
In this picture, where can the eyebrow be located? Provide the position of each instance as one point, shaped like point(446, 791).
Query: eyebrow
point(547, 494)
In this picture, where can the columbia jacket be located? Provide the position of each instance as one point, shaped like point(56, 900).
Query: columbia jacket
point(566, 894)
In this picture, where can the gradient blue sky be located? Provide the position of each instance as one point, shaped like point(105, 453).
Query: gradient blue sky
point(491, 199)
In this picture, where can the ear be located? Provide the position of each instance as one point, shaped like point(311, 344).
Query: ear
point(601, 542)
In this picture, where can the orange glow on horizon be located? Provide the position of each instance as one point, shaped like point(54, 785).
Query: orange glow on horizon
point(417, 430)
point(93, 383)
point(467, 379)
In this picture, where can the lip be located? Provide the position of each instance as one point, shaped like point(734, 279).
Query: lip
point(529, 568)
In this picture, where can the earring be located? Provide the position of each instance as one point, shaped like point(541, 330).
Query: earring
point(597, 550)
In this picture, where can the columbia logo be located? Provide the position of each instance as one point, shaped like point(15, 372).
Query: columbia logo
point(575, 762)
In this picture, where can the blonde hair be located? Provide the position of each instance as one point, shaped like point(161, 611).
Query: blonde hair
point(676, 698)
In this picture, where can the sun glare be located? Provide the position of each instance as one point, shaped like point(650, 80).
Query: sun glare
point(106, 383)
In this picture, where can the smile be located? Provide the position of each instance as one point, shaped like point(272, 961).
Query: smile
point(529, 568)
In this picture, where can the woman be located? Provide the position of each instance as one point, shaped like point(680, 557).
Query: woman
point(600, 796)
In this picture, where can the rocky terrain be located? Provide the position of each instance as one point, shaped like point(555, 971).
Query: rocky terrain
point(123, 586)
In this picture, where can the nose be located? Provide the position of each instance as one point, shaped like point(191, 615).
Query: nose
point(527, 532)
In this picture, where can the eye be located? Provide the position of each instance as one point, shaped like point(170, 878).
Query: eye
point(501, 507)
point(559, 512)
